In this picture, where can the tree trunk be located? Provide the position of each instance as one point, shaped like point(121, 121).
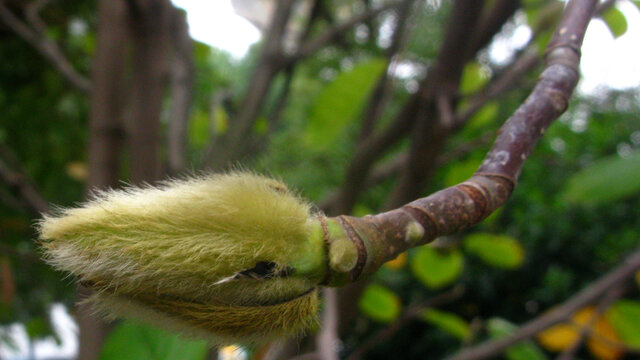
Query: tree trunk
point(105, 142)
point(149, 22)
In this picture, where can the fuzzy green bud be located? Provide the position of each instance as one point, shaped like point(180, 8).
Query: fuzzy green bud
point(233, 257)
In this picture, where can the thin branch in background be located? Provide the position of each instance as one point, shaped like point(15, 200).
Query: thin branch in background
point(328, 342)
point(226, 148)
point(588, 295)
point(381, 93)
point(32, 12)
point(428, 134)
point(20, 184)
point(492, 20)
point(45, 46)
point(392, 167)
point(327, 37)
point(503, 83)
point(608, 299)
point(409, 314)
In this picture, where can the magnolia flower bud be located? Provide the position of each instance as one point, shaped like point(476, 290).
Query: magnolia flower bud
point(233, 257)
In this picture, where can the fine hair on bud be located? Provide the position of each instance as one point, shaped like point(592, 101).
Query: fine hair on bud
point(231, 257)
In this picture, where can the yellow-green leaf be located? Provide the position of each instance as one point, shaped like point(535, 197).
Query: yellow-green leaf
point(436, 268)
point(132, 340)
point(340, 101)
point(496, 250)
point(484, 116)
point(448, 322)
point(616, 21)
point(601, 337)
point(609, 179)
point(624, 316)
point(461, 171)
point(474, 77)
point(380, 303)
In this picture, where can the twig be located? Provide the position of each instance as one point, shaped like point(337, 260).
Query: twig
point(46, 47)
point(227, 148)
point(380, 95)
point(21, 185)
point(559, 313)
point(429, 132)
point(409, 314)
point(328, 340)
point(614, 294)
point(315, 44)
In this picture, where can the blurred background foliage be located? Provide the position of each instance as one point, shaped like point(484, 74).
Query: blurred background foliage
point(573, 216)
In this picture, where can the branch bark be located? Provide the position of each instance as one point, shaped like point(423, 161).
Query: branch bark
point(382, 237)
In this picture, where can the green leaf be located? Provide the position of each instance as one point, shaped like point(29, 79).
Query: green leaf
point(616, 21)
point(448, 322)
point(261, 126)
point(485, 116)
point(496, 250)
point(340, 101)
point(435, 268)
point(637, 3)
point(199, 133)
point(609, 179)
point(624, 316)
point(37, 328)
point(473, 78)
point(132, 340)
point(380, 303)
point(524, 350)
point(461, 171)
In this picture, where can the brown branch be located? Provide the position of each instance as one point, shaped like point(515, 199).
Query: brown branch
point(559, 313)
point(337, 31)
point(429, 132)
point(380, 95)
point(492, 20)
point(182, 77)
point(371, 147)
point(20, 184)
point(228, 147)
point(503, 83)
point(32, 14)
point(381, 237)
point(604, 6)
point(45, 46)
point(149, 35)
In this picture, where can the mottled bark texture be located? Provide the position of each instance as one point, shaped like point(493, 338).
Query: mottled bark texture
point(359, 246)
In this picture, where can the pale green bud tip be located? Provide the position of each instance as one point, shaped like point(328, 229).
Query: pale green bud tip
point(414, 233)
point(194, 252)
point(343, 255)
